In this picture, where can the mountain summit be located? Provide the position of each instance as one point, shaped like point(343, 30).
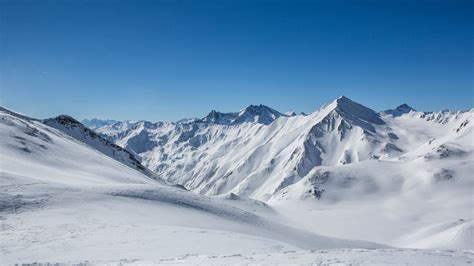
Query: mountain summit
point(257, 114)
point(260, 114)
point(400, 110)
point(352, 112)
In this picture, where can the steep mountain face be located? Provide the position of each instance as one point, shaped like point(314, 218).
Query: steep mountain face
point(258, 152)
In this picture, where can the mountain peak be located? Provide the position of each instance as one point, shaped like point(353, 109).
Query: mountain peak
point(404, 106)
point(343, 98)
point(216, 117)
point(66, 120)
point(256, 109)
point(253, 113)
point(257, 113)
point(400, 110)
point(353, 111)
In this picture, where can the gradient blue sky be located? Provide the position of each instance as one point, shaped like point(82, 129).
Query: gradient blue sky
point(165, 60)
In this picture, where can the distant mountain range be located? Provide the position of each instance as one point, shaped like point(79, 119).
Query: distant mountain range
point(264, 154)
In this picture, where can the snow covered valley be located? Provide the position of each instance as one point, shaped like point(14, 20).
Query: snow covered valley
point(343, 185)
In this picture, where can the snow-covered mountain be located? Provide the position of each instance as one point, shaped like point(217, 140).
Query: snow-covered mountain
point(259, 151)
point(67, 195)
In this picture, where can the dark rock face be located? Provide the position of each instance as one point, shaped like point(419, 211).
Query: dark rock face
point(316, 181)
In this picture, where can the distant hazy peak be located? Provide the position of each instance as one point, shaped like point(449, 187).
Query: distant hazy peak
point(400, 110)
point(404, 106)
point(95, 123)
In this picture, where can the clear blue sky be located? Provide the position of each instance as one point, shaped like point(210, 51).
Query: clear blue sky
point(165, 60)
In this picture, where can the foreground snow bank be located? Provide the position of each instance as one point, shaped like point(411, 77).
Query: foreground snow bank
point(316, 257)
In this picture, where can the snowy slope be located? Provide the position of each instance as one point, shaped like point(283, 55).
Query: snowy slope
point(447, 235)
point(48, 151)
point(384, 200)
point(322, 257)
point(75, 129)
point(63, 200)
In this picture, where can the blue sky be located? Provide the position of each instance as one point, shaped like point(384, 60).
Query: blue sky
point(166, 60)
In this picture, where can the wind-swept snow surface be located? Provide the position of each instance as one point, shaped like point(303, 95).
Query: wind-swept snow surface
point(324, 257)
